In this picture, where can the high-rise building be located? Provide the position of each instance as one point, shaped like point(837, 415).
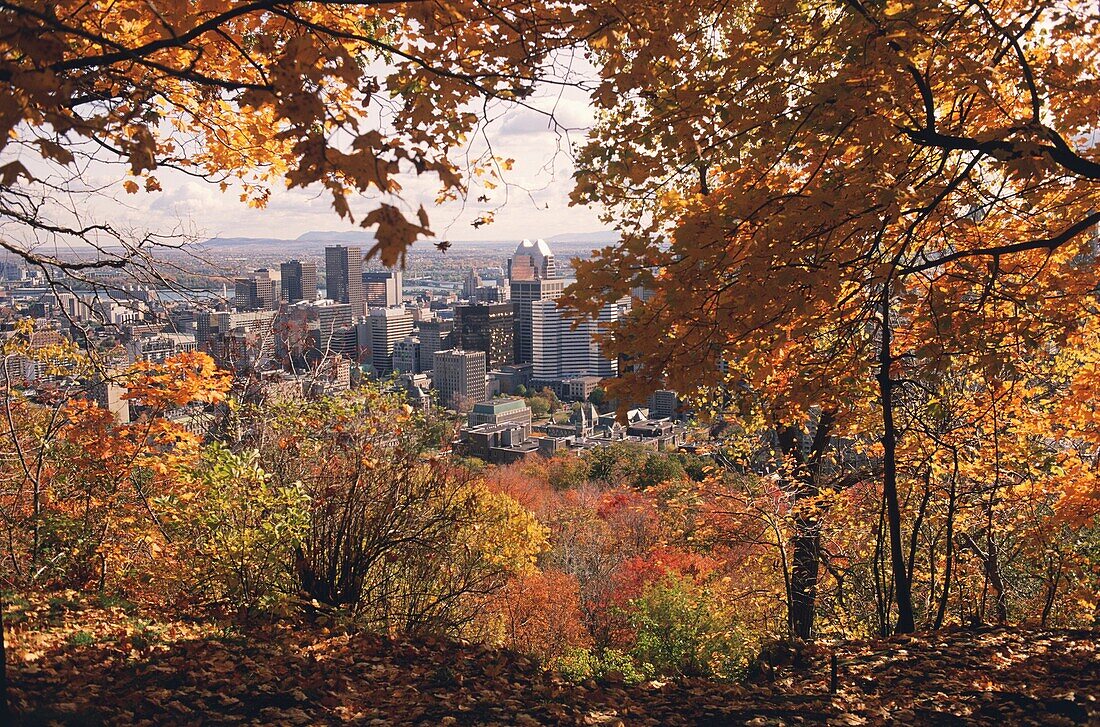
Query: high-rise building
point(311, 330)
point(255, 293)
point(488, 328)
point(299, 281)
point(460, 378)
point(524, 294)
point(434, 336)
point(258, 290)
point(560, 351)
point(533, 277)
point(344, 276)
point(532, 260)
point(236, 338)
point(379, 334)
point(383, 289)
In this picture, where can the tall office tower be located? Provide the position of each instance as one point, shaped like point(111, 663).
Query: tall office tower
point(299, 281)
point(344, 276)
point(434, 336)
point(532, 260)
point(533, 277)
point(237, 339)
point(488, 328)
point(524, 293)
point(383, 289)
point(379, 333)
point(471, 284)
point(460, 378)
point(406, 355)
point(310, 330)
point(561, 352)
point(255, 293)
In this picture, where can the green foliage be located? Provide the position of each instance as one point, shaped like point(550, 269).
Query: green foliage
point(658, 468)
point(567, 473)
point(680, 630)
point(615, 464)
point(540, 406)
point(598, 396)
point(520, 390)
point(244, 529)
point(609, 664)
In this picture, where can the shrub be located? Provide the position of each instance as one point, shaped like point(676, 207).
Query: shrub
point(242, 528)
point(681, 630)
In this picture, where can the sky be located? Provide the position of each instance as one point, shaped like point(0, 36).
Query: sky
point(536, 197)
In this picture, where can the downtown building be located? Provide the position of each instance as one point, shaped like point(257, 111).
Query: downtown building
point(311, 331)
point(488, 328)
point(383, 288)
point(434, 336)
point(257, 291)
point(532, 275)
point(237, 339)
point(564, 350)
point(344, 277)
point(378, 335)
point(299, 281)
point(459, 376)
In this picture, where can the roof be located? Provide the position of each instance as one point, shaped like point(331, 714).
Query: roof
point(500, 406)
point(537, 249)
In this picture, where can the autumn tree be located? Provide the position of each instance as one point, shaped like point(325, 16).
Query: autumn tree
point(342, 97)
point(802, 188)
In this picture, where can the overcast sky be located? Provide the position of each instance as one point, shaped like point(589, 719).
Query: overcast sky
point(536, 200)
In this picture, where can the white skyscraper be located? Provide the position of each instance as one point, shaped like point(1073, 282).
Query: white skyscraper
point(560, 351)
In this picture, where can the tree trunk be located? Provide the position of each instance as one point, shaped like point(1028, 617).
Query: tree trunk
point(902, 586)
point(949, 553)
point(4, 712)
point(804, 575)
point(806, 542)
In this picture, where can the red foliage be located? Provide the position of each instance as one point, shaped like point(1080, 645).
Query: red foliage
point(542, 614)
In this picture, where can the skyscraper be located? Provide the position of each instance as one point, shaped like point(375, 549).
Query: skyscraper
point(532, 260)
point(562, 352)
point(524, 293)
point(533, 276)
point(380, 333)
point(382, 288)
point(344, 276)
point(299, 281)
point(488, 328)
point(258, 290)
point(460, 378)
point(433, 337)
point(316, 329)
point(237, 339)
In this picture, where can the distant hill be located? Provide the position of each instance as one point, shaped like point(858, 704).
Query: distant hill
point(350, 237)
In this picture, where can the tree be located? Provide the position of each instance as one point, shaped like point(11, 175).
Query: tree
point(402, 540)
point(802, 188)
point(245, 96)
point(598, 396)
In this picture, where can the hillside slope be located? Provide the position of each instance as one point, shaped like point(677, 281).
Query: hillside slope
point(78, 664)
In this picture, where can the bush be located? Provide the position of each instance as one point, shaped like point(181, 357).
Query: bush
point(578, 665)
point(242, 529)
point(397, 539)
point(680, 630)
